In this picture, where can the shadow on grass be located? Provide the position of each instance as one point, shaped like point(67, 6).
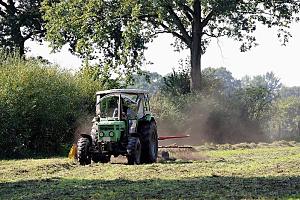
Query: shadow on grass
point(195, 188)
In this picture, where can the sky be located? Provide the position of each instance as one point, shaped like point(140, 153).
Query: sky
point(269, 56)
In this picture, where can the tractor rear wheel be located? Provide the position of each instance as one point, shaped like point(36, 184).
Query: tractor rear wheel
point(149, 144)
point(83, 154)
point(134, 151)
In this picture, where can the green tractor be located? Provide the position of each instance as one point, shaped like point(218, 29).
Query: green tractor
point(124, 126)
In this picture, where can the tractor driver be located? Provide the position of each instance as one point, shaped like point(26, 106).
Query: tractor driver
point(127, 113)
point(130, 115)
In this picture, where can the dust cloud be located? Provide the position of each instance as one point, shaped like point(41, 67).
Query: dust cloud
point(83, 125)
point(206, 123)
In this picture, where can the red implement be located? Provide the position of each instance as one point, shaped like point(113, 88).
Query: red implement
point(172, 137)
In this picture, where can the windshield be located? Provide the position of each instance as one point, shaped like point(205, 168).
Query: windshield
point(107, 106)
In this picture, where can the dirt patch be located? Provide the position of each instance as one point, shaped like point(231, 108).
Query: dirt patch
point(118, 160)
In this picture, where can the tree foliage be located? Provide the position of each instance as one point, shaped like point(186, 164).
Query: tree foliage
point(220, 80)
point(117, 31)
point(176, 83)
point(285, 120)
point(258, 93)
point(20, 21)
point(150, 81)
point(290, 92)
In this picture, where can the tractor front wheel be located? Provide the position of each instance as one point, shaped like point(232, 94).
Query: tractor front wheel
point(83, 154)
point(134, 151)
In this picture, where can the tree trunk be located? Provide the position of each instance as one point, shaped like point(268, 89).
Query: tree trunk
point(195, 68)
point(18, 40)
point(196, 48)
point(22, 48)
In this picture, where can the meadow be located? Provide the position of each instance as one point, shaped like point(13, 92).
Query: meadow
point(242, 171)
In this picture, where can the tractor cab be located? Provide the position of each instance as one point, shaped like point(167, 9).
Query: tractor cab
point(113, 104)
point(123, 106)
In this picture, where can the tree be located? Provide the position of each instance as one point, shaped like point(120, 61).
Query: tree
point(19, 21)
point(290, 92)
point(268, 81)
point(153, 81)
point(220, 80)
point(285, 120)
point(118, 30)
point(258, 93)
point(176, 83)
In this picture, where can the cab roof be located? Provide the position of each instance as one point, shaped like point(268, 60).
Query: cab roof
point(124, 91)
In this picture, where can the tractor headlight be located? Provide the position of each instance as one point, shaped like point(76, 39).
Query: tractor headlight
point(111, 134)
point(101, 134)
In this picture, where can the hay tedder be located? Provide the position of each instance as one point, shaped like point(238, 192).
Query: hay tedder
point(123, 125)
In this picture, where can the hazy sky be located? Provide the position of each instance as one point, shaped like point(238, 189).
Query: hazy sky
point(268, 56)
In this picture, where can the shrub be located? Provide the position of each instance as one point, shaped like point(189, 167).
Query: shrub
point(39, 105)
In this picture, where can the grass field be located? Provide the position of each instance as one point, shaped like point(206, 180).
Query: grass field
point(245, 171)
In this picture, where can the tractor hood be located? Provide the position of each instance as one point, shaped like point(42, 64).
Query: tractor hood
point(110, 131)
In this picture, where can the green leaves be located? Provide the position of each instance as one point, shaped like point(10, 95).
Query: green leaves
point(109, 31)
